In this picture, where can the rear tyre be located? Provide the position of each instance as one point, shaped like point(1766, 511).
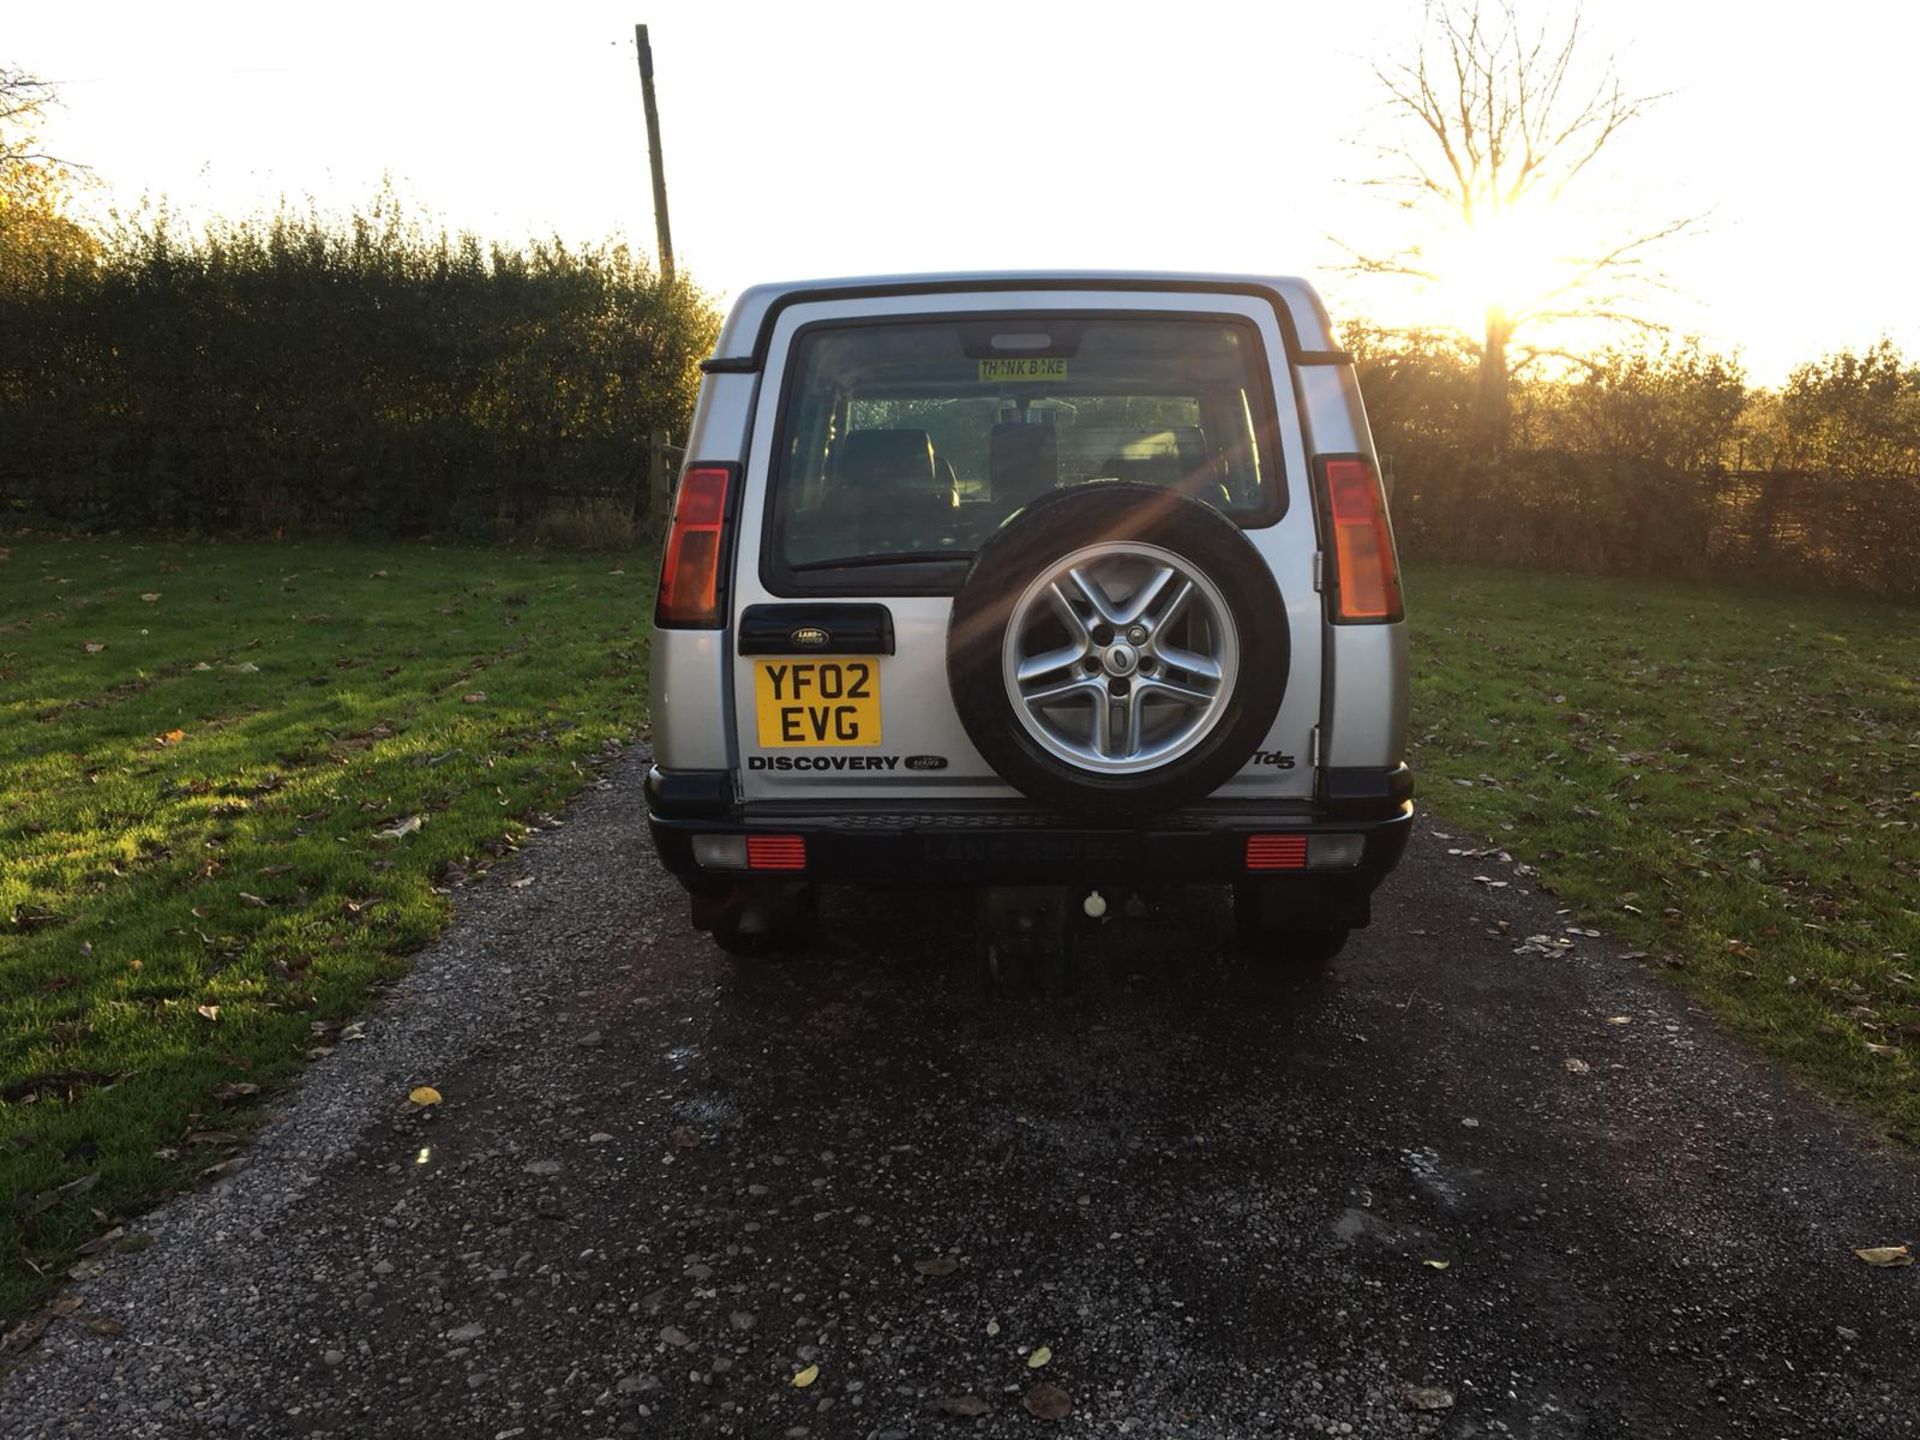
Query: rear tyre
point(1268, 929)
point(756, 924)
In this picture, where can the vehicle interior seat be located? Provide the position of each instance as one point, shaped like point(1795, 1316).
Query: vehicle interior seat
point(886, 493)
point(1023, 464)
point(1177, 458)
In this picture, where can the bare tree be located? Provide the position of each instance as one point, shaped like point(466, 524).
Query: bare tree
point(36, 233)
point(1496, 122)
point(24, 100)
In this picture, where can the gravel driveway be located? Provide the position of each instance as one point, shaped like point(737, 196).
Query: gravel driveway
point(1448, 1189)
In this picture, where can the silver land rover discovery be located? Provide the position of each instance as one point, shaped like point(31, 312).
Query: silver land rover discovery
point(1065, 587)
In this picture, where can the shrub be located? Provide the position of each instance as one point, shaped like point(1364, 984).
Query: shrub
point(370, 376)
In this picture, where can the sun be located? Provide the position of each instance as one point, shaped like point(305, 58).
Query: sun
point(1502, 264)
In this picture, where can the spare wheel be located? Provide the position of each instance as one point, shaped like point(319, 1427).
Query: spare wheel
point(1117, 649)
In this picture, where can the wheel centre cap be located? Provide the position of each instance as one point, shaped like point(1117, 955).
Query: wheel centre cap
point(1121, 659)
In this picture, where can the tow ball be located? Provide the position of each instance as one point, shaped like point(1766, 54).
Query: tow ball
point(1033, 932)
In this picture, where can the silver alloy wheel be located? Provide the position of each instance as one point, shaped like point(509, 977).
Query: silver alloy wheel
point(1120, 657)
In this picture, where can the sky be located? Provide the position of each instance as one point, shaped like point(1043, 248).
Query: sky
point(852, 138)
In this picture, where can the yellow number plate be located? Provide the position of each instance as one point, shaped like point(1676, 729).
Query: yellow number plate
point(818, 703)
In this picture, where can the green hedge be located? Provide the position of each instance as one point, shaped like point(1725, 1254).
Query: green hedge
point(1663, 463)
point(366, 377)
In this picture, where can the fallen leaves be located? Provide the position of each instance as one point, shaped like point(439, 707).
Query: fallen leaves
point(474, 697)
point(1438, 1264)
point(1575, 1066)
point(24, 1334)
point(424, 1095)
point(1047, 1401)
point(1039, 1357)
point(152, 597)
point(1887, 1257)
point(937, 1265)
point(172, 737)
point(94, 647)
point(806, 1377)
point(965, 1407)
point(1427, 1398)
point(400, 829)
point(47, 1199)
point(685, 1137)
point(209, 1013)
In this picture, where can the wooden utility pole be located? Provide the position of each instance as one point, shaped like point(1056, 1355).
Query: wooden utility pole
point(663, 234)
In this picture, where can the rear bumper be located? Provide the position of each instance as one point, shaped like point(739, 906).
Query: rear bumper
point(1000, 846)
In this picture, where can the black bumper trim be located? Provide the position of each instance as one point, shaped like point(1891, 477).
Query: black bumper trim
point(1366, 790)
point(1193, 850)
point(689, 794)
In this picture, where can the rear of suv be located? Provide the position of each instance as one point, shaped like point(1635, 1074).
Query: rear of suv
point(1066, 587)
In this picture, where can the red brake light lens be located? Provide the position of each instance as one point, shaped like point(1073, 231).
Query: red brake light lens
point(1276, 852)
point(1366, 575)
point(776, 852)
point(690, 569)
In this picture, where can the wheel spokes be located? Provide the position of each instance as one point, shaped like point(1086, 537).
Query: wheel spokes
point(1141, 601)
point(1118, 695)
point(1186, 694)
point(1070, 617)
point(1038, 665)
point(1191, 661)
point(1095, 594)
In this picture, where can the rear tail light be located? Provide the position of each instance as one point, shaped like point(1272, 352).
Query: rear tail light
point(750, 852)
point(1304, 852)
point(1335, 852)
point(1276, 852)
point(690, 569)
point(776, 852)
point(1366, 575)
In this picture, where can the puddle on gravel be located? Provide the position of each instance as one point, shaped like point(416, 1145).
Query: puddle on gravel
point(704, 1109)
point(1424, 1165)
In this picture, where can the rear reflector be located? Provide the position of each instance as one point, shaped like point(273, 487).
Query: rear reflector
point(776, 852)
point(1366, 574)
point(1276, 852)
point(690, 568)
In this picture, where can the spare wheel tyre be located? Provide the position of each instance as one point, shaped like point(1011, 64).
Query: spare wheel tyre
point(1117, 649)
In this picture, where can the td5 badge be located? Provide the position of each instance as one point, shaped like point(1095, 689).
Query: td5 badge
point(1279, 759)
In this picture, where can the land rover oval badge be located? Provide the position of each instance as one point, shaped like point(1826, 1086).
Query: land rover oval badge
point(810, 637)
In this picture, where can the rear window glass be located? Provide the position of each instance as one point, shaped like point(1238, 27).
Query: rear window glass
point(911, 442)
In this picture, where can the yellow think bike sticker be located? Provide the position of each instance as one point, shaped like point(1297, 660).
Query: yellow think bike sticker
point(1030, 367)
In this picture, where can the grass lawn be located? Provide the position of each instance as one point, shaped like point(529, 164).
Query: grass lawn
point(1731, 779)
point(236, 784)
